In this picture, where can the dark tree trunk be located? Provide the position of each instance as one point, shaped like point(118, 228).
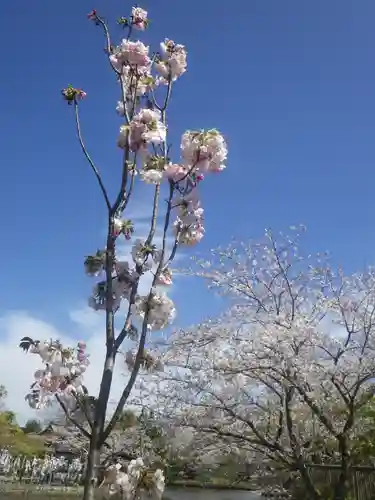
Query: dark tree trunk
point(91, 472)
point(96, 441)
point(341, 487)
point(312, 492)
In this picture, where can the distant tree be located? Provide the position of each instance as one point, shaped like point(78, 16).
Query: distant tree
point(288, 372)
point(364, 441)
point(32, 426)
point(127, 420)
point(15, 440)
point(3, 392)
point(3, 396)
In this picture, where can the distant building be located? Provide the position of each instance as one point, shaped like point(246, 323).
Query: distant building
point(62, 441)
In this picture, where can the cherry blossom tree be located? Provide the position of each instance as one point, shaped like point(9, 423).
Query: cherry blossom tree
point(287, 371)
point(145, 82)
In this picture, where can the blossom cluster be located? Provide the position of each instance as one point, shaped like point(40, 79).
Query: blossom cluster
point(202, 152)
point(137, 482)
point(145, 128)
point(188, 226)
point(131, 54)
point(150, 362)
point(161, 310)
point(139, 18)
point(62, 373)
point(144, 134)
point(171, 62)
point(160, 306)
point(205, 150)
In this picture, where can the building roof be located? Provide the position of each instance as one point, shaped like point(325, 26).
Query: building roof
point(56, 431)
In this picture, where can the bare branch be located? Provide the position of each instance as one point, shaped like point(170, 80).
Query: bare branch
point(71, 419)
point(88, 157)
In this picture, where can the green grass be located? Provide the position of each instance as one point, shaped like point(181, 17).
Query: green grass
point(18, 490)
point(217, 484)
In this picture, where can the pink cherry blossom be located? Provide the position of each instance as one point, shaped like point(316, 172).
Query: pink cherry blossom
point(175, 172)
point(164, 278)
point(139, 18)
point(204, 150)
point(172, 63)
point(146, 128)
point(129, 53)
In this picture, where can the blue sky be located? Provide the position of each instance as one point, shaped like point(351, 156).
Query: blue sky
point(290, 84)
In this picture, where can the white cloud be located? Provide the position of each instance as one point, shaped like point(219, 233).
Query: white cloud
point(17, 368)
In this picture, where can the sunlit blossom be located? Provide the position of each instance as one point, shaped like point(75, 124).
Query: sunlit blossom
point(139, 18)
point(205, 150)
point(172, 62)
point(129, 53)
point(61, 374)
point(145, 128)
point(160, 310)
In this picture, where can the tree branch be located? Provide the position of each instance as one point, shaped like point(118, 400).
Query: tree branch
point(88, 157)
point(129, 386)
point(71, 419)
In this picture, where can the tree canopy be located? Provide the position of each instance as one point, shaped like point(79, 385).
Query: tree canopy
point(16, 439)
point(287, 373)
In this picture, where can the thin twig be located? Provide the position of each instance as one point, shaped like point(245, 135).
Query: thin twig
point(103, 24)
point(83, 407)
point(124, 177)
point(71, 419)
point(154, 216)
point(88, 157)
